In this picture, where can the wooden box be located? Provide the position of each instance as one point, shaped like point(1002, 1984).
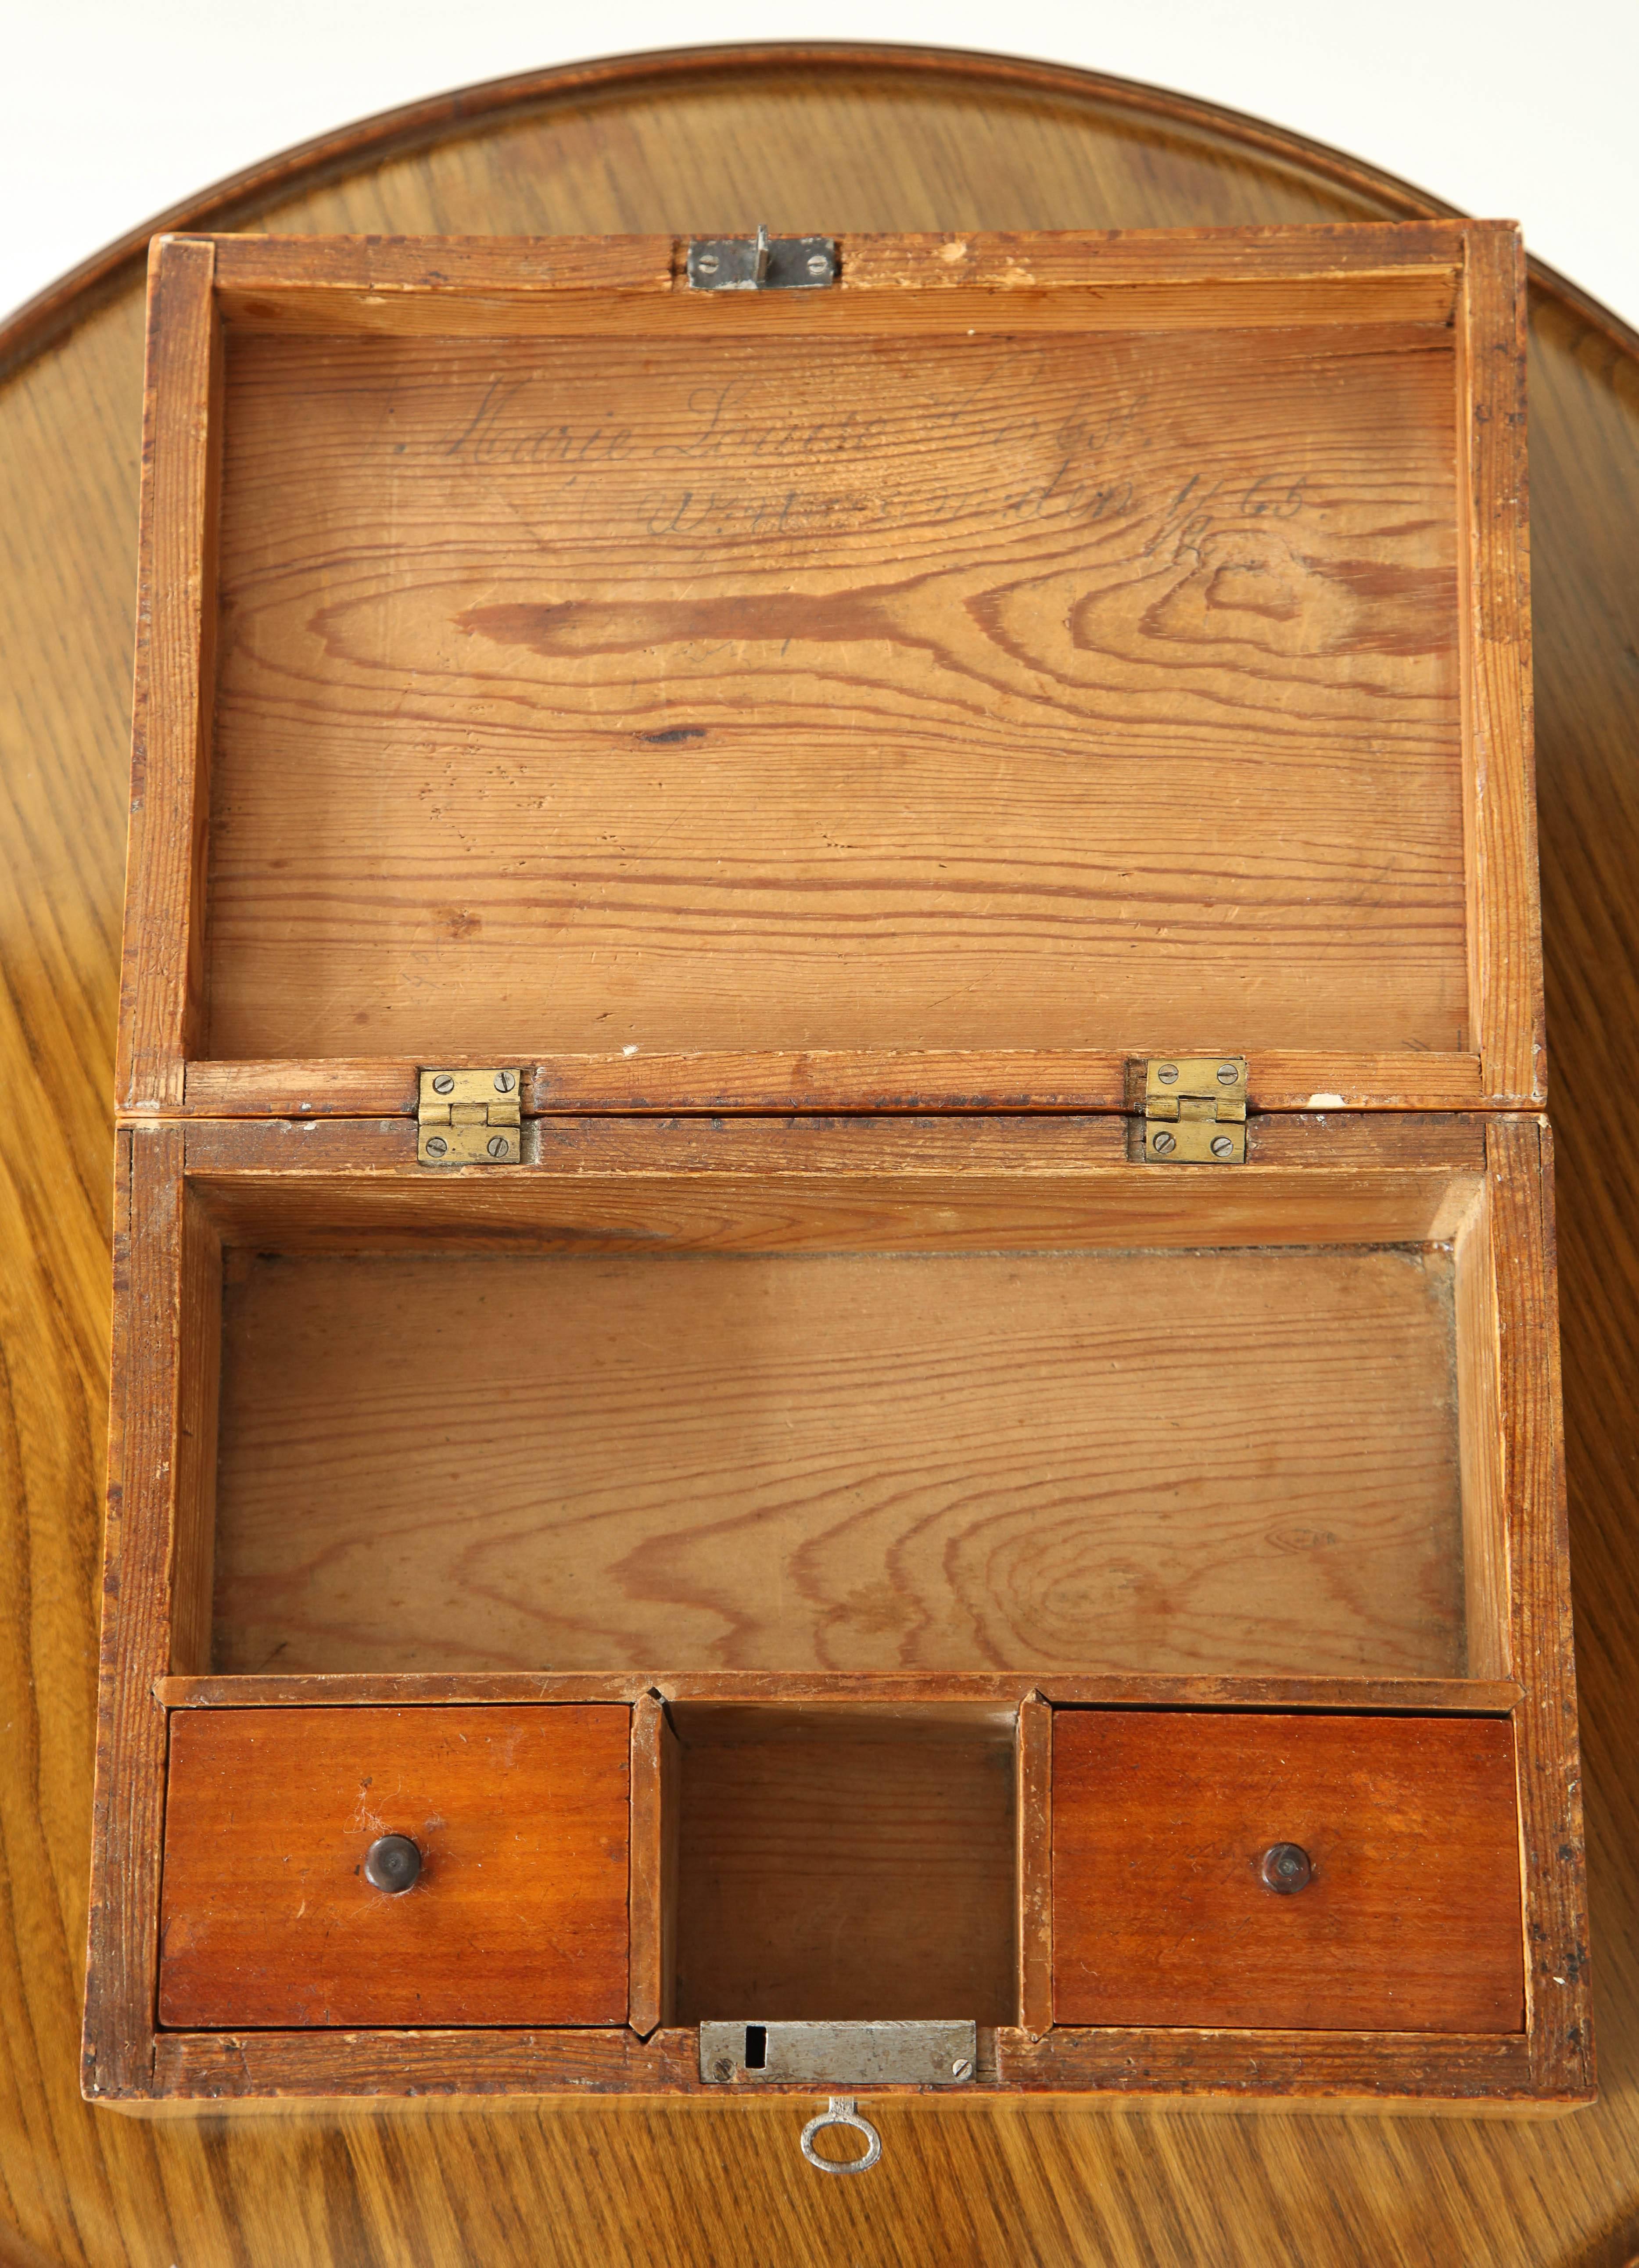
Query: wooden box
point(835, 1270)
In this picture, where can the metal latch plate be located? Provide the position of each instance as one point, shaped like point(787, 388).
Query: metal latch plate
point(1195, 1110)
point(763, 264)
point(838, 2055)
point(469, 1118)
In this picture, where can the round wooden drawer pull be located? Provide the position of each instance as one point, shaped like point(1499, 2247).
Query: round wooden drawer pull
point(1287, 1867)
point(392, 1864)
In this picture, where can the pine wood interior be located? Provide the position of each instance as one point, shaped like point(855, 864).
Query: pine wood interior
point(845, 1862)
point(1262, 1458)
point(858, 687)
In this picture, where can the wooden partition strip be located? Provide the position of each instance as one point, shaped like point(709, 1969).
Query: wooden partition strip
point(1145, 278)
point(1557, 1994)
point(1404, 296)
point(1264, 2069)
point(1042, 1080)
point(643, 1929)
point(1055, 258)
point(1244, 2071)
point(1033, 1815)
point(193, 1533)
point(1012, 1144)
point(1504, 918)
point(540, 266)
point(655, 1832)
point(1003, 1691)
point(1041, 260)
point(868, 1079)
point(1480, 1432)
point(162, 986)
point(151, 1330)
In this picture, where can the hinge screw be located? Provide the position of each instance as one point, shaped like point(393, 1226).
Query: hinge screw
point(961, 2068)
point(1221, 1146)
point(505, 1081)
point(817, 263)
point(1167, 1073)
point(1165, 1144)
point(443, 1084)
point(437, 1145)
point(707, 263)
point(498, 1146)
point(1226, 1074)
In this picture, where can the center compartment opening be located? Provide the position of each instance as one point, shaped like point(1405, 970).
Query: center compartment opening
point(845, 1863)
point(1220, 1461)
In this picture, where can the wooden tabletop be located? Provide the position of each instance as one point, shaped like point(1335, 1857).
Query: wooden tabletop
point(806, 139)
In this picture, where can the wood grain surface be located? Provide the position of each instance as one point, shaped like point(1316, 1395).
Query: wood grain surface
point(518, 1914)
point(1238, 1462)
point(1409, 1919)
point(856, 140)
point(839, 692)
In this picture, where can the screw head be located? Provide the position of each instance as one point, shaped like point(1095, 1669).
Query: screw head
point(498, 1145)
point(817, 263)
point(962, 2068)
point(723, 2068)
point(1287, 1867)
point(1165, 1144)
point(392, 1864)
point(1221, 1146)
point(437, 1145)
point(443, 1084)
point(707, 263)
point(1167, 1073)
point(505, 1081)
point(1227, 1074)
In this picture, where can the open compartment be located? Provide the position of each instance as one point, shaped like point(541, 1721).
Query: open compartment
point(655, 1406)
point(845, 1860)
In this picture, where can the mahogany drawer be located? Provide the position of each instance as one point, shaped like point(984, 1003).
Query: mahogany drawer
point(1163, 1828)
point(517, 1914)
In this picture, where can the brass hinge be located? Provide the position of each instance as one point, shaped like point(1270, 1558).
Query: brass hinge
point(1195, 1110)
point(469, 1118)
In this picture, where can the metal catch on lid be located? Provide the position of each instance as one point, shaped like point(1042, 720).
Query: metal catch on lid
point(762, 263)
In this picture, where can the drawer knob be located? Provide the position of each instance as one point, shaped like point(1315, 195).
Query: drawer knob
point(392, 1863)
point(1287, 1867)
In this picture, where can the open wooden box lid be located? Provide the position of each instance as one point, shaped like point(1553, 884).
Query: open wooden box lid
point(943, 681)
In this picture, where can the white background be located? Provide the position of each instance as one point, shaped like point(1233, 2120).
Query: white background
point(112, 109)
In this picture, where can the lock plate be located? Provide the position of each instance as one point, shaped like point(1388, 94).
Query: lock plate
point(1195, 1110)
point(469, 1118)
point(887, 2054)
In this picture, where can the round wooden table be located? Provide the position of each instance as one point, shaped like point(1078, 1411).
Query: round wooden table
point(806, 138)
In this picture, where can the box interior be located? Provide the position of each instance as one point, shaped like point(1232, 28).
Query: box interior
point(753, 691)
point(1260, 1456)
